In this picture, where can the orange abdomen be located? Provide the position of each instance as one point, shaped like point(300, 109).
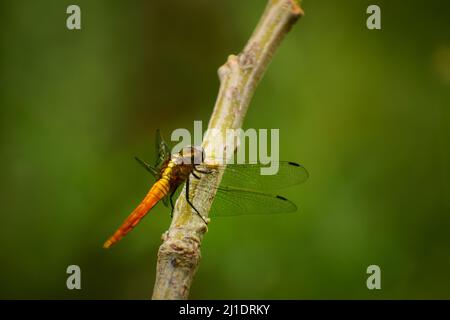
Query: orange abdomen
point(158, 191)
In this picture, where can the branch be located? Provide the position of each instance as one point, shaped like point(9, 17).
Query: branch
point(179, 254)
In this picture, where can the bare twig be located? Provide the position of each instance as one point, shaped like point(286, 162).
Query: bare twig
point(179, 254)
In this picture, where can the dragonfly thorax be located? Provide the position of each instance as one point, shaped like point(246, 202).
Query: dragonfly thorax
point(191, 155)
point(181, 164)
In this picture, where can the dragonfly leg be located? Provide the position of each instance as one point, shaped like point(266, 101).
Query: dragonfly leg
point(203, 171)
point(196, 176)
point(171, 202)
point(189, 201)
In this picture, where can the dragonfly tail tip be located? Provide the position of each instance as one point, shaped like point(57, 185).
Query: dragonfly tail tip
point(107, 244)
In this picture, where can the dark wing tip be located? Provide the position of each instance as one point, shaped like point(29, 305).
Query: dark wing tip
point(292, 206)
point(295, 164)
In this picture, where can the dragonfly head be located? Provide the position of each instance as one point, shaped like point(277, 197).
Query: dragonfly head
point(192, 155)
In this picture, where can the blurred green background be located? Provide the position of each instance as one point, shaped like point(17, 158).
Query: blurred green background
point(367, 112)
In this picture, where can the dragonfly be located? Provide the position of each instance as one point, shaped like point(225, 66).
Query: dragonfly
point(243, 190)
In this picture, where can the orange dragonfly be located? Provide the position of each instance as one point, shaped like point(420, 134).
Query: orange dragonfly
point(242, 189)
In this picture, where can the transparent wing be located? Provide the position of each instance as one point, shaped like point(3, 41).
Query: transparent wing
point(162, 149)
point(242, 189)
point(231, 201)
point(154, 172)
point(248, 176)
point(166, 201)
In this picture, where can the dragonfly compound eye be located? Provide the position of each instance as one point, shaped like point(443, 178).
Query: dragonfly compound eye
point(192, 155)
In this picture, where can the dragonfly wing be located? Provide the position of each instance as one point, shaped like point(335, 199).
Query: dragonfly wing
point(147, 167)
point(162, 149)
point(248, 176)
point(231, 201)
point(166, 201)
